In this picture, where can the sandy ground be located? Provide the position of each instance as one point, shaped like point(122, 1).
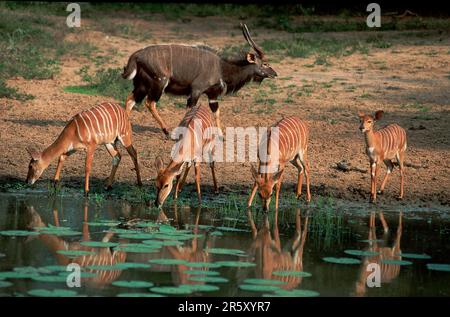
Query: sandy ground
point(414, 71)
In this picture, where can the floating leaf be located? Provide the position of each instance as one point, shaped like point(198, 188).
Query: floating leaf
point(371, 240)
point(167, 261)
point(99, 244)
point(361, 253)
point(18, 233)
point(236, 263)
point(154, 243)
point(166, 228)
point(438, 267)
point(259, 288)
point(55, 268)
point(52, 293)
point(136, 248)
point(226, 251)
point(295, 293)
point(141, 236)
point(82, 274)
point(422, 256)
point(201, 272)
point(230, 229)
point(145, 224)
point(132, 284)
point(50, 278)
point(202, 264)
point(200, 287)
point(132, 265)
point(262, 281)
point(17, 275)
point(341, 260)
point(75, 253)
point(171, 290)
point(5, 284)
point(216, 233)
point(208, 279)
point(292, 273)
point(104, 223)
point(139, 295)
point(396, 262)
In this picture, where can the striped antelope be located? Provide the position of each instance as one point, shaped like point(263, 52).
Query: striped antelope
point(199, 138)
point(106, 123)
point(290, 143)
point(383, 146)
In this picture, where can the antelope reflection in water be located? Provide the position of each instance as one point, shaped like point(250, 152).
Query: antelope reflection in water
point(388, 272)
point(100, 256)
point(269, 254)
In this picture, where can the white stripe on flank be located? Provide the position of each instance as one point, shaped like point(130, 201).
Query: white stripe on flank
point(115, 110)
point(78, 128)
point(91, 130)
point(108, 121)
point(96, 120)
point(87, 128)
point(103, 119)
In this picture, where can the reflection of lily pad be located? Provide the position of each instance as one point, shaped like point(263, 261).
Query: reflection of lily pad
point(236, 263)
point(259, 288)
point(295, 293)
point(417, 256)
point(292, 273)
point(396, 262)
point(132, 284)
point(75, 253)
point(171, 290)
point(200, 287)
point(208, 279)
point(361, 253)
point(18, 233)
point(5, 284)
point(99, 244)
point(167, 261)
point(262, 281)
point(202, 264)
point(225, 251)
point(438, 267)
point(341, 260)
point(139, 295)
point(52, 293)
point(201, 272)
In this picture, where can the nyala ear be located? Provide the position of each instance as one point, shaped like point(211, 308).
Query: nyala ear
point(159, 163)
point(361, 114)
point(379, 114)
point(35, 155)
point(251, 58)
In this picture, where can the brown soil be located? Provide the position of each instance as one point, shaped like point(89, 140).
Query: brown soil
point(409, 72)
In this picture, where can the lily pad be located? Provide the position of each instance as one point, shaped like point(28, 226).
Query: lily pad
point(16, 275)
point(396, 262)
point(146, 224)
point(75, 253)
point(230, 229)
point(153, 243)
point(208, 279)
point(417, 256)
point(133, 284)
point(296, 293)
point(136, 248)
point(262, 281)
point(18, 233)
point(166, 228)
point(132, 265)
point(139, 295)
point(341, 260)
point(201, 287)
point(201, 272)
point(140, 236)
point(292, 273)
point(52, 293)
point(259, 288)
point(438, 267)
point(236, 263)
point(226, 251)
point(104, 223)
point(5, 284)
point(172, 290)
point(99, 244)
point(167, 261)
point(82, 274)
point(50, 278)
point(216, 233)
point(361, 253)
point(55, 268)
point(203, 264)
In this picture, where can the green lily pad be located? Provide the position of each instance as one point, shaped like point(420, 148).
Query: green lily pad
point(417, 256)
point(132, 265)
point(262, 281)
point(341, 260)
point(132, 284)
point(396, 262)
point(139, 236)
point(230, 229)
point(172, 290)
point(201, 272)
point(5, 284)
point(104, 268)
point(200, 287)
point(216, 233)
point(202, 264)
point(361, 253)
point(166, 228)
point(99, 244)
point(153, 243)
point(139, 295)
point(136, 248)
point(167, 261)
point(296, 293)
point(55, 268)
point(438, 267)
point(292, 273)
point(235, 264)
point(50, 278)
point(170, 243)
point(60, 232)
point(52, 293)
point(226, 251)
point(18, 233)
point(103, 223)
point(75, 253)
point(16, 275)
point(179, 237)
point(145, 224)
point(82, 274)
point(259, 288)
point(208, 279)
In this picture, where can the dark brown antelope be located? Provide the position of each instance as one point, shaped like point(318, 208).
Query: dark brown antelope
point(288, 142)
point(388, 271)
point(191, 71)
point(106, 124)
point(196, 141)
point(384, 145)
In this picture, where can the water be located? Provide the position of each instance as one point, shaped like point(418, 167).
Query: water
point(205, 241)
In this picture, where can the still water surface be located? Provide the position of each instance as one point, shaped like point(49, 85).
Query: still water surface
point(130, 250)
